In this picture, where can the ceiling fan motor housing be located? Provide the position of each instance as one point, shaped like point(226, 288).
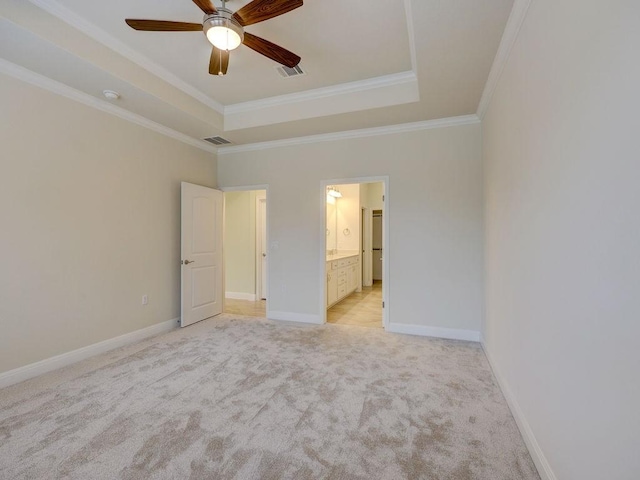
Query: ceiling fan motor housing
point(222, 30)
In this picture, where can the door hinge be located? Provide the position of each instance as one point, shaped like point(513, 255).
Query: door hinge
point(383, 198)
point(382, 304)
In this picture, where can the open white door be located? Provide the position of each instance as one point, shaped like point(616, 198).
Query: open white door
point(201, 248)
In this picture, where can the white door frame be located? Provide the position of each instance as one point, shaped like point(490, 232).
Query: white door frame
point(248, 188)
point(385, 241)
point(259, 234)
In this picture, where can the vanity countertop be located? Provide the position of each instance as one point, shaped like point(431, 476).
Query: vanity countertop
point(341, 255)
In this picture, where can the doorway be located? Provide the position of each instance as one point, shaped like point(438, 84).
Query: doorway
point(354, 292)
point(245, 252)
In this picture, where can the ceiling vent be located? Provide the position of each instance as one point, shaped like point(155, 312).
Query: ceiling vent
point(287, 72)
point(217, 140)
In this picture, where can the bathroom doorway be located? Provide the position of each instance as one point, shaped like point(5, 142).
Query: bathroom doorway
point(353, 257)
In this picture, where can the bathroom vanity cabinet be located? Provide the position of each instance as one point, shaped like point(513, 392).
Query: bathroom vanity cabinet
point(342, 277)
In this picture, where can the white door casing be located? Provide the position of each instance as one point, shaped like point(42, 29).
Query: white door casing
point(261, 248)
point(263, 238)
point(201, 252)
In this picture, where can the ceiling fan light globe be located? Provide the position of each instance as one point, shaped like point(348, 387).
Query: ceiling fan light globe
point(223, 33)
point(223, 38)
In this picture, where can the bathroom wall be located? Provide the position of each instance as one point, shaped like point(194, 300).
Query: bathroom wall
point(240, 244)
point(348, 217)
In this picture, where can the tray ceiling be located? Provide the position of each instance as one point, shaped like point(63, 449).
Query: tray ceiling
point(368, 63)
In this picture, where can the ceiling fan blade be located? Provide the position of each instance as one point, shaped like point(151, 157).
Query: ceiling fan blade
point(163, 26)
point(219, 61)
point(261, 10)
point(271, 50)
point(206, 6)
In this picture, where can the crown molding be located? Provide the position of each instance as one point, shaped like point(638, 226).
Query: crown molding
point(385, 91)
point(46, 83)
point(410, 31)
point(324, 92)
point(366, 132)
point(511, 31)
point(93, 31)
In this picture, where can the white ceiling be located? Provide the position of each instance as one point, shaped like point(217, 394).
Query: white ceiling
point(369, 63)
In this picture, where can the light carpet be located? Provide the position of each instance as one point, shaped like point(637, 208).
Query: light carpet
point(245, 398)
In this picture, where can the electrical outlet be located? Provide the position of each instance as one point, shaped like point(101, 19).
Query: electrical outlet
point(145, 299)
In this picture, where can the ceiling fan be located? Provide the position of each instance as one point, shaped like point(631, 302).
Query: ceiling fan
point(225, 30)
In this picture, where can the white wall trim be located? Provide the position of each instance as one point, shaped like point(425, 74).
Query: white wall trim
point(295, 317)
point(262, 290)
point(384, 91)
point(411, 32)
point(511, 31)
point(365, 132)
point(47, 365)
point(53, 86)
point(321, 93)
point(539, 459)
point(439, 332)
point(240, 296)
point(93, 31)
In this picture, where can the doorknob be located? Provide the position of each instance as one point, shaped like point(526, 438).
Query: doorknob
point(187, 262)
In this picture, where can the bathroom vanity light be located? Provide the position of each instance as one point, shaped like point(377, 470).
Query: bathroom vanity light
point(334, 192)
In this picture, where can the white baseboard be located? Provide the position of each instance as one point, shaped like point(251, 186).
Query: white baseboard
point(539, 459)
point(21, 374)
point(295, 317)
point(241, 296)
point(439, 332)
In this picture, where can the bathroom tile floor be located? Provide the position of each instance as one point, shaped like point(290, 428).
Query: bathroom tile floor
point(363, 309)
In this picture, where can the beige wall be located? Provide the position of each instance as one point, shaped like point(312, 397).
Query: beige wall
point(563, 234)
point(89, 221)
point(373, 198)
point(240, 241)
point(435, 210)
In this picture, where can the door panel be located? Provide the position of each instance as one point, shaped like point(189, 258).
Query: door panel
point(203, 281)
point(203, 238)
point(201, 278)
